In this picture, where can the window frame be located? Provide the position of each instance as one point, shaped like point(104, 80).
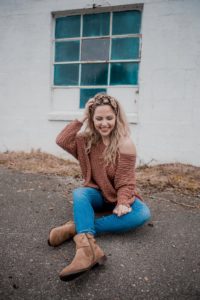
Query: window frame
point(81, 12)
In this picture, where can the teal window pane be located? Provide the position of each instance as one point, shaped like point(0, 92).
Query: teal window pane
point(125, 48)
point(124, 73)
point(67, 51)
point(66, 74)
point(96, 24)
point(94, 74)
point(126, 22)
point(86, 94)
point(95, 49)
point(67, 27)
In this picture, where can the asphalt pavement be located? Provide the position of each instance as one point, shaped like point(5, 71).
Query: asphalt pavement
point(160, 260)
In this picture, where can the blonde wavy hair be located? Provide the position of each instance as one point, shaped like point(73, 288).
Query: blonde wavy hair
point(120, 130)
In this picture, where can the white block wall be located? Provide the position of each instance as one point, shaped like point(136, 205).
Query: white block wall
point(168, 104)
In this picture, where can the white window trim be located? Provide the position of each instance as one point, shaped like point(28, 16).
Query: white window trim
point(71, 115)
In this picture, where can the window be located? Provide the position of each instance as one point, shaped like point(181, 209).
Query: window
point(96, 52)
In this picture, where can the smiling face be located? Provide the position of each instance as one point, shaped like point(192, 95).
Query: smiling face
point(104, 120)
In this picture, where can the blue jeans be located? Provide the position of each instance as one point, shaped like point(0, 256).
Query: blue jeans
point(87, 201)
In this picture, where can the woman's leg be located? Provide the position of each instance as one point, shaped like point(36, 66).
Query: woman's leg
point(86, 200)
point(88, 253)
point(138, 216)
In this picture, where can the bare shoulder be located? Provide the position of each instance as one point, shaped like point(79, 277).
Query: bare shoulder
point(127, 146)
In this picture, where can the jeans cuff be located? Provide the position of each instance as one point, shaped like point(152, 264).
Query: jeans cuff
point(87, 231)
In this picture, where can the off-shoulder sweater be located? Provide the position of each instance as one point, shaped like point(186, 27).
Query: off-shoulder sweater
point(116, 182)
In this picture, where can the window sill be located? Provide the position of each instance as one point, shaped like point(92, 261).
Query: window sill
point(69, 116)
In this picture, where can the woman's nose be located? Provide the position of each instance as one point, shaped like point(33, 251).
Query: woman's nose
point(104, 122)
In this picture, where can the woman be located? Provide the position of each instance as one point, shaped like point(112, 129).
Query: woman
point(107, 158)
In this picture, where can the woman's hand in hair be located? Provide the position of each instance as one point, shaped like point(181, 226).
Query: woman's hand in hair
point(121, 210)
point(86, 111)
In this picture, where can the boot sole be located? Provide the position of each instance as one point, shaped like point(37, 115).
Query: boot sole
point(72, 276)
point(56, 245)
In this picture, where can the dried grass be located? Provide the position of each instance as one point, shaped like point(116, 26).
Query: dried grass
point(179, 177)
point(39, 162)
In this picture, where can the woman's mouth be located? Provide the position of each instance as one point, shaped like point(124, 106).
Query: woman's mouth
point(104, 129)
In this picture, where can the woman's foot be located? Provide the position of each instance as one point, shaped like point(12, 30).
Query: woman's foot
point(88, 254)
point(62, 233)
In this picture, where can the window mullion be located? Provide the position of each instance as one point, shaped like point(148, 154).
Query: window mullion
point(110, 32)
point(97, 37)
point(80, 65)
point(96, 61)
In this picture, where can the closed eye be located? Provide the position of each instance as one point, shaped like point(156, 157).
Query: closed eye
point(109, 118)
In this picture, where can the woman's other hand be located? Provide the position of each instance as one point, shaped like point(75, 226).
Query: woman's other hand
point(86, 111)
point(121, 209)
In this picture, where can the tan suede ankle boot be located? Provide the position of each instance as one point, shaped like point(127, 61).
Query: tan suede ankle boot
point(88, 254)
point(62, 233)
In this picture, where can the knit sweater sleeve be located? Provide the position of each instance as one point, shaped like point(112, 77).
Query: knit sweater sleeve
point(67, 137)
point(125, 179)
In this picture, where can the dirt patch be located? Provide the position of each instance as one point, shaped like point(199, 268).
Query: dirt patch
point(183, 179)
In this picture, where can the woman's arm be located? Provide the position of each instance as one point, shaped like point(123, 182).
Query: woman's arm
point(67, 137)
point(125, 173)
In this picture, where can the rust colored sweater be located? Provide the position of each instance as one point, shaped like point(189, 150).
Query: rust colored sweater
point(116, 182)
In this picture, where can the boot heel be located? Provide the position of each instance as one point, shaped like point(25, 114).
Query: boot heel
point(102, 260)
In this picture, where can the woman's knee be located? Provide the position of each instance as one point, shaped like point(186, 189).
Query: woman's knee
point(81, 194)
point(78, 192)
point(146, 214)
point(78, 195)
point(141, 210)
point(140, 217)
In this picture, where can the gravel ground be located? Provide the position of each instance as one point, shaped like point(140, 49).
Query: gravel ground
point(161, 260)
